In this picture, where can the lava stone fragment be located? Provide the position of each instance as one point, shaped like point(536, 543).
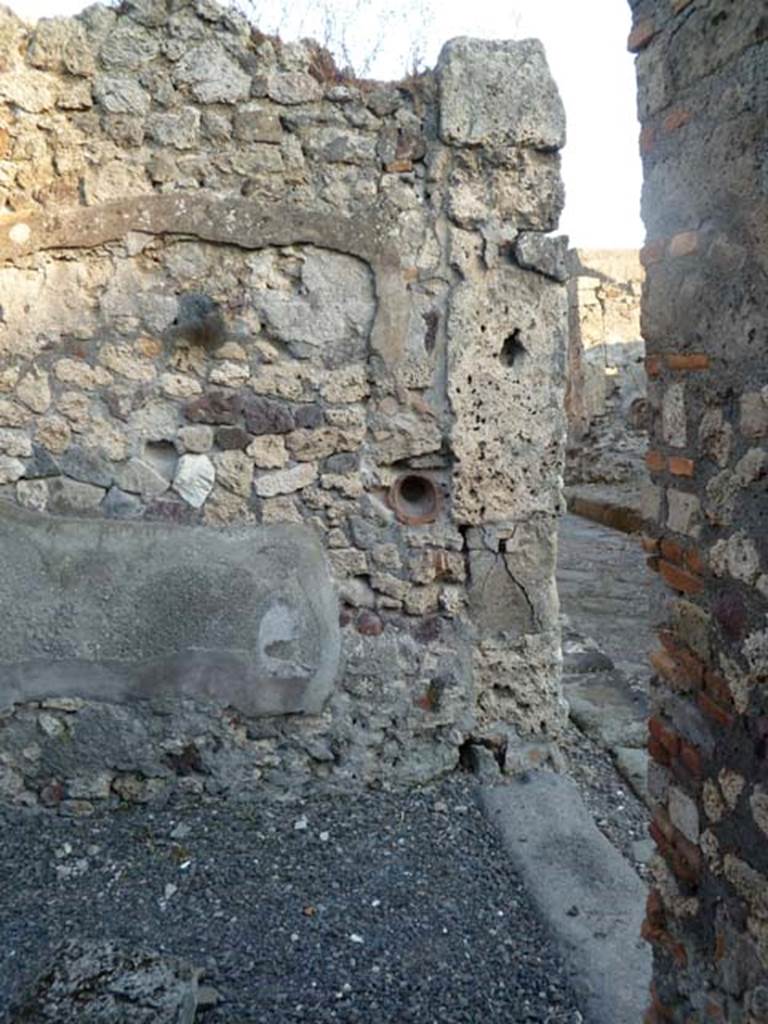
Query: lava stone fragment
point(216, 407)
point(265, 416)
point(41, 465)
point(231, 438)
point(86, 465)
point(343, 462)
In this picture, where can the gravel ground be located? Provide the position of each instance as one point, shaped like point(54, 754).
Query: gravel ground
point(617, 811)
point(379, 907)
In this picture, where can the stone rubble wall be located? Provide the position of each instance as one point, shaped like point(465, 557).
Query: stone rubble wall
point(238, 291)
point(703, 103)
point(606, 403)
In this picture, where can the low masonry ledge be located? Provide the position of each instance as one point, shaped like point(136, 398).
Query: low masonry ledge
point(246, 617)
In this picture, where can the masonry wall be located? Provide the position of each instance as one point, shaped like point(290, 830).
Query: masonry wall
point(282, 364)
point(703, 100)
point(606, 405)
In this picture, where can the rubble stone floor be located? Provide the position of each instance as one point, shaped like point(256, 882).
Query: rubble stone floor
point(381, 907)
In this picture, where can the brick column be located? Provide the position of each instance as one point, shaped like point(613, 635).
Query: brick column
point(703, 100)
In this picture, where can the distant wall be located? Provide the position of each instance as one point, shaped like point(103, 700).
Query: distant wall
point(241, 294)
point(606, 402)
point(703, 101)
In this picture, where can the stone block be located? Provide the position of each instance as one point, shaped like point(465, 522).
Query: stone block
point(498, 94)
point(684, 513)
point(73, 497)
point(753, 420)
point(211, 75)
point(674, 426)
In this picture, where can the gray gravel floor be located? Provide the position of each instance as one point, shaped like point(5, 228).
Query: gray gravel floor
point(376, 908)
point(617, 812)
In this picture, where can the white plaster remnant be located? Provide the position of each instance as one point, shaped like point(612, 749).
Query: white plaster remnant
point(20, 233)
point(194, 479)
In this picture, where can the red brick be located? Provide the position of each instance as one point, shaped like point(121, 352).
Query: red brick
point(679, 579)
point(718, 689)
point(681, 466)
point(682, 855)
point(665, 735)
point(654, 908)
point(691, 665)
point(672, 551)
point(658, 752)
point(676, 119)
point(653, 563)
point(661, 937)
point(653, 365)
point(642, 33)
point(694, 561)
point(653, 252)
point(651, 932)
point(655, 462)
point(690, 756)
point(714, 711)
point(679, 954)
point(687, 361)
point(671, 670)
point(662, 843)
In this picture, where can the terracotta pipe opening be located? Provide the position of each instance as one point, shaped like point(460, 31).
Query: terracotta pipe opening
point(415, 499)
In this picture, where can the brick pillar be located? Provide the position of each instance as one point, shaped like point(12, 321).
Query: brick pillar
point(702, 68)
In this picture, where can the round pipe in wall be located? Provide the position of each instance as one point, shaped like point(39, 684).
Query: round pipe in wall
point(415, 499)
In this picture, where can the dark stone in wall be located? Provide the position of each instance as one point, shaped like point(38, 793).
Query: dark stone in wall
point(215, 407)
point(265, 416)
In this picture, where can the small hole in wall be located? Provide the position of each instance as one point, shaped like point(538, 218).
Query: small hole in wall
point(512, 350)
point(431, 323)
point(415, 499)
point(162, 457)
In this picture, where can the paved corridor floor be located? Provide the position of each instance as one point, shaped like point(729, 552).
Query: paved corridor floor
point(606, 591)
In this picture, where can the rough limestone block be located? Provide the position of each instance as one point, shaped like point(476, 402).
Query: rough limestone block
point(119, 610)
point(506, 348)
point(212, 76)
point(499, 93)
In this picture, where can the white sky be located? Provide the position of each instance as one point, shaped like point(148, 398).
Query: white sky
point(585, 42)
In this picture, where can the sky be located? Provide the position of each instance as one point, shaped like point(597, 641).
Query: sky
point(585, 41)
